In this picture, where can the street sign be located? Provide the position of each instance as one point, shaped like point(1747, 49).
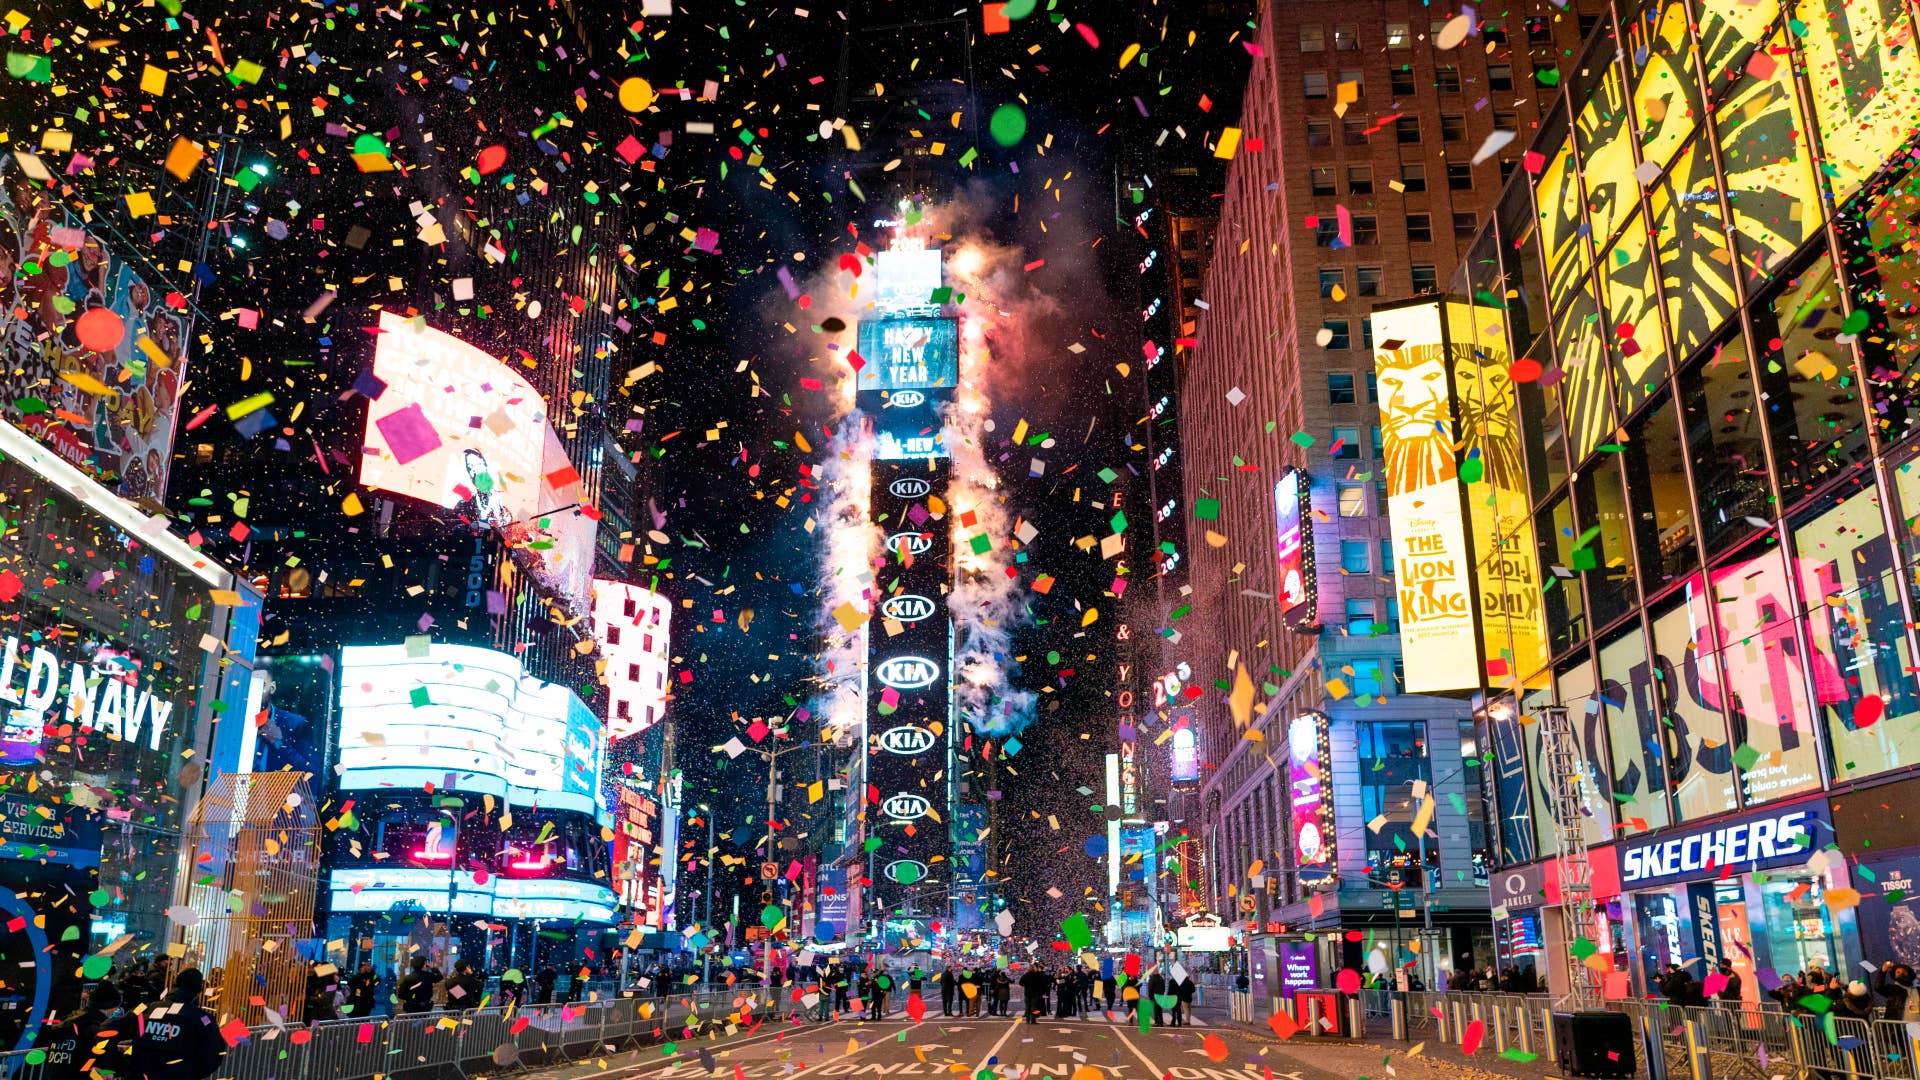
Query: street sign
point(768, 871)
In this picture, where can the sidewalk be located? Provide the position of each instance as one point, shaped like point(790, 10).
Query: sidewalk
point(1370, 1056)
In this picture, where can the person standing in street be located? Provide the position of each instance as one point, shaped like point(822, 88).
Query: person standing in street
point(179, 1040)
point(1183, 999)
point(946, 991)
point(1034, 993)
point(1157, 986)
point(361, 991)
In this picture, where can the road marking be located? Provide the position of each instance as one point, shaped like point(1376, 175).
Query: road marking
point(891, 1037)
point(1012, 1026)
point(1151, 1067)
point(649, 1068)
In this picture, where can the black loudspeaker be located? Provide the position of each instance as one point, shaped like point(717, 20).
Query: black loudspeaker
point(1596, 1043)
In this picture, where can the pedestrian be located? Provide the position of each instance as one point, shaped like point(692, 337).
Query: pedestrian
point(1156, 987)
point(1894, 982)
point(1110, 985)
point(841, 984)
point(1183, 992)
point(882, 983)
point(1729, 993)
point(415, 989)
point(361, 990)
point(947, 987)
point(1065, 994)
point(1856, 1003)
point(465, 989)
point(320, 1001)
point(1033, 993)
point(543, 981)
point(1002, 986)
point(179, 1040)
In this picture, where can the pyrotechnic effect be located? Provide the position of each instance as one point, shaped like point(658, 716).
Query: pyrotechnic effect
point(846, 577)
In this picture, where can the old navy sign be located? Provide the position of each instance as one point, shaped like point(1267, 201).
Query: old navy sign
point(1754, 842)
point(98, 697)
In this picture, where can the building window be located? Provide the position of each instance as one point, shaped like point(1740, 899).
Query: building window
point(1494, 30)
point(1366, 678)
point(1355, 557)
point(1586, 24)
point(1420, 228)
point(1374, 441)
point(1352, 499)
point(1453, 127)
point(1447, 78)
point(1313, 38)
point(1339, 388)
point(1367, 281)
point(1314, 84)
point(1358, 82)
point(1320, 179)
point(1366, 231)
point(1319, 132)
point(1366, 333)
point(625, 711)
point(1400, 81)
point(1386, 554)
point(1354, 132)
point(613, 635)
point(1339, 333)
point(1459, 176)
point(1360, 179)
point(633, 672)
point(1360, 616)
point(1399, 36)
point(1506, 121)
point(1499, 76)
point(1426, 278)
point(1393, 759)
point(1539, 30)
point(1373, 385)
point(1546, 74)
point(1407, 129)
point(1413, 176)
point(1465, 225)
point(1331, 278)
point(1346, 39)
point(1507, 165)
point(1327, 231)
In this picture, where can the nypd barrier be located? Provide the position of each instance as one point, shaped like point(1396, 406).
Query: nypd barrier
point(1713, 1042)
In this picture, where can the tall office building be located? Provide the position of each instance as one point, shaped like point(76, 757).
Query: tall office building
point(1692, 330)
point(1368, 157)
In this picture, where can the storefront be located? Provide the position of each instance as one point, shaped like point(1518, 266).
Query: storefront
point(121, 648)
point(1750, 889)
point(1529, 926)
point(1879, 829)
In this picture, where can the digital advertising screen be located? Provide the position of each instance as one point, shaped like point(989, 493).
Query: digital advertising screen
point(1184, 767)
point(1432, 562)
point(449, 424)
point(1307, 760)
point(1293, 549)
point(907, 278)
point(908, 697)
point(423, 713)
point(912, 353)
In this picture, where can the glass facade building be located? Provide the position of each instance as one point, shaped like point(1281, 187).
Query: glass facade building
point(1707, 269)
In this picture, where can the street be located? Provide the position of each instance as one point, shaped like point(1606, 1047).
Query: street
point(1008, 1047)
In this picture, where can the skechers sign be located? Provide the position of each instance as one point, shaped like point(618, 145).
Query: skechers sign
point(908, 672)
point(907, 607)
point(1754, 842)
point(907, 740)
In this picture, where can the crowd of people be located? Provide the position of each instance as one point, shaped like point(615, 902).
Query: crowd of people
point(149, 1024)
point(1063, 991)
point(1506, 980)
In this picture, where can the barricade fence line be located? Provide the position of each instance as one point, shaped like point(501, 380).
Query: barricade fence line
point(1719, 1041)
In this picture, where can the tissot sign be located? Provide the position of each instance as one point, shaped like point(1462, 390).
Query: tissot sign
point(1772, 837)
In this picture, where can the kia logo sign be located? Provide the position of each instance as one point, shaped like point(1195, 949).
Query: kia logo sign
point(907, 607)
point(911, 487)
point(908, 672)
point(907, 740)
point(905, 807)
point(906, 399)
point(906, 871)
point(912, 542)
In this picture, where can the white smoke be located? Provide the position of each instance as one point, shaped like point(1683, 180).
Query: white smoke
point(844, 497)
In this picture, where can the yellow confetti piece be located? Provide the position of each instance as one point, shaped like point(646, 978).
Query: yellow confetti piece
point(153, 80)
point(1229, 143)
point(140, 204)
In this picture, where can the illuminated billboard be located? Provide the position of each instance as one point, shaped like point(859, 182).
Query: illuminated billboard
point(1293, 549)
point(1513, 630)
point(1184, 767)
point(910, 654)
point(1308, 756)
point(917, 353)
point(1865, 79)
point(1432, 563)
point(460, 892)
point(416, 714)
point(906, 278)
point(454, 427)
point(632, 625)
point(94, 355)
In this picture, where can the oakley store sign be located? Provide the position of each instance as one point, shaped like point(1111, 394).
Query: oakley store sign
point(1776, 836)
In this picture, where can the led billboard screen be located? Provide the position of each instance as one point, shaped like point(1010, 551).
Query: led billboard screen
point(421, 713)
point(459, 429)
point(632, 625)
point(1293, 548)
point(908, 696)
point(1431, 557)
point(1865, 79)
point(94, 355)
point(906, 279)
point(917, 353)
point(1307, 758)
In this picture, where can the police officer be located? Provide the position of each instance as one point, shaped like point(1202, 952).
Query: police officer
point(179, 1040)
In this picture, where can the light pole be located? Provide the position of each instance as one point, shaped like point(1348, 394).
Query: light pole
point(706, 954)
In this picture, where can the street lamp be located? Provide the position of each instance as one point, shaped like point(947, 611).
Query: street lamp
point(706, 955)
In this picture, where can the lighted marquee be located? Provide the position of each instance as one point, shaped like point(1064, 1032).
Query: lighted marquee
point(413, 715)
point(909, 366)
point(1308, 757)
point(1293, 550)
point(632, 625)
point(378, 889)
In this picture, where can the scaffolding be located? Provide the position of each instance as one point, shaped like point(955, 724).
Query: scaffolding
point(1564, 774)
point(254, 842)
